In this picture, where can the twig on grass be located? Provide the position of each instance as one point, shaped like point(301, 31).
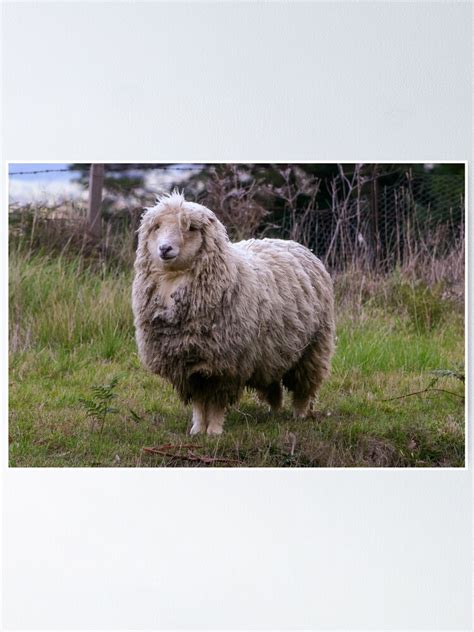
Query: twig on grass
point(425, 390)
point(439, 373)
point(172, 446)
point(190, 456)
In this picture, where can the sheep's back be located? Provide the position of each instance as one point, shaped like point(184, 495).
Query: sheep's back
point(295, 298)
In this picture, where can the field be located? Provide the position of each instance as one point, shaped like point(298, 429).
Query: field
point(395, 398)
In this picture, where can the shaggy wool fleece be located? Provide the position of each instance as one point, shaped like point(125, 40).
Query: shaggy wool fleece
point(213, 317)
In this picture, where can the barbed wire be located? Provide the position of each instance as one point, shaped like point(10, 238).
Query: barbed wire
point(29, 173)
point(116, 169)
point(172, 167)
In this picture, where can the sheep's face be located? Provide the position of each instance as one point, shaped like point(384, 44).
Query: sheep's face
point(175, 236)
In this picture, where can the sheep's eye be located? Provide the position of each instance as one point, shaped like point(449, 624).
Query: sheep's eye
point(192, 228)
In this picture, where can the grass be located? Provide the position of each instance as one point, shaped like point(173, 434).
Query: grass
point(71, 330)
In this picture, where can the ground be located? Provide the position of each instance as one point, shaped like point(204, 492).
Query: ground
point(71, 329)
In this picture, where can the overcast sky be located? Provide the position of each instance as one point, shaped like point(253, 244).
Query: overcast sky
point(52, 185)
point(40, 166)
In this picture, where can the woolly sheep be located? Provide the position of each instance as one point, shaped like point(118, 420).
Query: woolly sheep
point(214, 317)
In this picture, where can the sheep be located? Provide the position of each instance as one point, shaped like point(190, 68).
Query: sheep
point(213, 317)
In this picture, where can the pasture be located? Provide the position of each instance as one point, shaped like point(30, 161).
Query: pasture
point(395, 397)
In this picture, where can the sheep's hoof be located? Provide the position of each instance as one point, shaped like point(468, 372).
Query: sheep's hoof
point(196, 429)
point(214, 431)
point(301, 412)
point(302, 408)
point(298, 414)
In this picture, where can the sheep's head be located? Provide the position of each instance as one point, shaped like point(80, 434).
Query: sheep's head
point(174, 232)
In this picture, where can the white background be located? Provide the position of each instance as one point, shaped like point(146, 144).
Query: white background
point(235, 549)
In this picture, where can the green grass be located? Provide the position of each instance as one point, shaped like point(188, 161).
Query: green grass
point(71, 328)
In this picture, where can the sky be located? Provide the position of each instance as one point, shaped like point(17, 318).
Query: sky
point(41, 166)
point(52, 186)
point(48, 188)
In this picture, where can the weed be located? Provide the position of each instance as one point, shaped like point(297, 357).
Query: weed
point(458, 375)
point(99, 406)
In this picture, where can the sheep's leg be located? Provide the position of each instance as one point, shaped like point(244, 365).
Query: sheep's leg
point(272, 395)
point(303, 388)
point(199, 418)
point(215, 419)
point(304, 393)
point(306, 376)
point(301, 405)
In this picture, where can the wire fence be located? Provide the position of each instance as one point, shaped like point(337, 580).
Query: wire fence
point(118, 168)
point(352, 218)
point(384, 226)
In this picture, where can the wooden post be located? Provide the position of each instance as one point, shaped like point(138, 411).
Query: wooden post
point(96, 183)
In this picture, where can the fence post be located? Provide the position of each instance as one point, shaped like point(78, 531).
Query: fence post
point(96, 183)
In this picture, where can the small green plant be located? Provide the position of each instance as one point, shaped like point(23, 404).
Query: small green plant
point(99, 406)
point(458, 375)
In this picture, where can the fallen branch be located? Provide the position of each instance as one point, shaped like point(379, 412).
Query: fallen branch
point(172, 446)
point(190, 456)
point(425, 390)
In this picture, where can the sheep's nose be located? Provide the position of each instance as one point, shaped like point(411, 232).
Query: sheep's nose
point(165, 249)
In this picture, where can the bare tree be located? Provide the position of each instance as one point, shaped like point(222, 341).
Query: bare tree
point(235, 197)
